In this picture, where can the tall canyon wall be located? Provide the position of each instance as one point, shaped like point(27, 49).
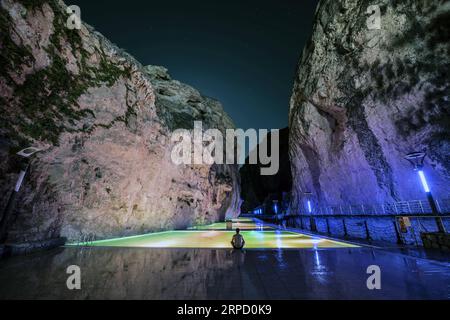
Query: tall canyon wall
point(365, 97)
point(105, 122)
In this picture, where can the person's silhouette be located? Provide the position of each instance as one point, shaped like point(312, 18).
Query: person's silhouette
point(238, 241)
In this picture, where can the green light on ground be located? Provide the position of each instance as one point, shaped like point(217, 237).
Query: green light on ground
point(256, 235)
point(221, 239)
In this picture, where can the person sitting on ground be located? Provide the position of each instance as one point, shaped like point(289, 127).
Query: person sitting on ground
point(238, 241)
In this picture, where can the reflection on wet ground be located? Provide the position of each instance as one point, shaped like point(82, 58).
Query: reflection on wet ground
point(142, 273)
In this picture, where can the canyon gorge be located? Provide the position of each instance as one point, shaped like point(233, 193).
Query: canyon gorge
point(362, 99)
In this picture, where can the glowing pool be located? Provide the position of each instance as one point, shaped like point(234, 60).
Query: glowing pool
point(255, 239)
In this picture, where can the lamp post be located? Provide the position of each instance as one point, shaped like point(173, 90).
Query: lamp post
point(312, 222)
point(25, 155)
point(308, 195)
point(275, 207)
point(417, 159)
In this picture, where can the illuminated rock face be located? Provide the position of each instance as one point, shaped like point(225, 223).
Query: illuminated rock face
point(106, 123)
point(364, 98)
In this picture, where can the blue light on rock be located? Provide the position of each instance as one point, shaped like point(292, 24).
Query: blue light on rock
point(424, 182)
point(309, 207)
point(258, 211)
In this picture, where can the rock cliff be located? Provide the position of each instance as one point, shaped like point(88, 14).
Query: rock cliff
point(365, 97)
point(105, 122)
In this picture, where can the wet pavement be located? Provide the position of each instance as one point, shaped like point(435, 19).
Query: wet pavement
point(142, 273)
point(168, 265)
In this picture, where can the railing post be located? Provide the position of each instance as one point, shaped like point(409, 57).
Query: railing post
point(368, 238)
point(313, 225)
point(421, 206)
point(438, 205)
point(436, 212)
point(345, 229)
point(397, 232)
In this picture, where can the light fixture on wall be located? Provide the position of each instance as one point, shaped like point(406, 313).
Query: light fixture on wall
point(417, 161)
point(25, 156)
point(308, 195)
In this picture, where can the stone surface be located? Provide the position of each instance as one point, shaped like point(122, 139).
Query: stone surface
point(256, 188)
point(363, 99)
point(106, 123)
point(31, 247)
point(207, 274)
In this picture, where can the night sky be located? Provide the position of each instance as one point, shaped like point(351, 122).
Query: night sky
point(241, 52)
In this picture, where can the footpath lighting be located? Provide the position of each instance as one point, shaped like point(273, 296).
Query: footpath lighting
point(257, 211)
point(312, 222)
point(308, 195)
point(417, 160)
point(25, 155)
point(275, 207)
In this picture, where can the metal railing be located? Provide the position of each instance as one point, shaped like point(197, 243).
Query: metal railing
point(384, 228)
point(375, 222)
point(396, 208)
